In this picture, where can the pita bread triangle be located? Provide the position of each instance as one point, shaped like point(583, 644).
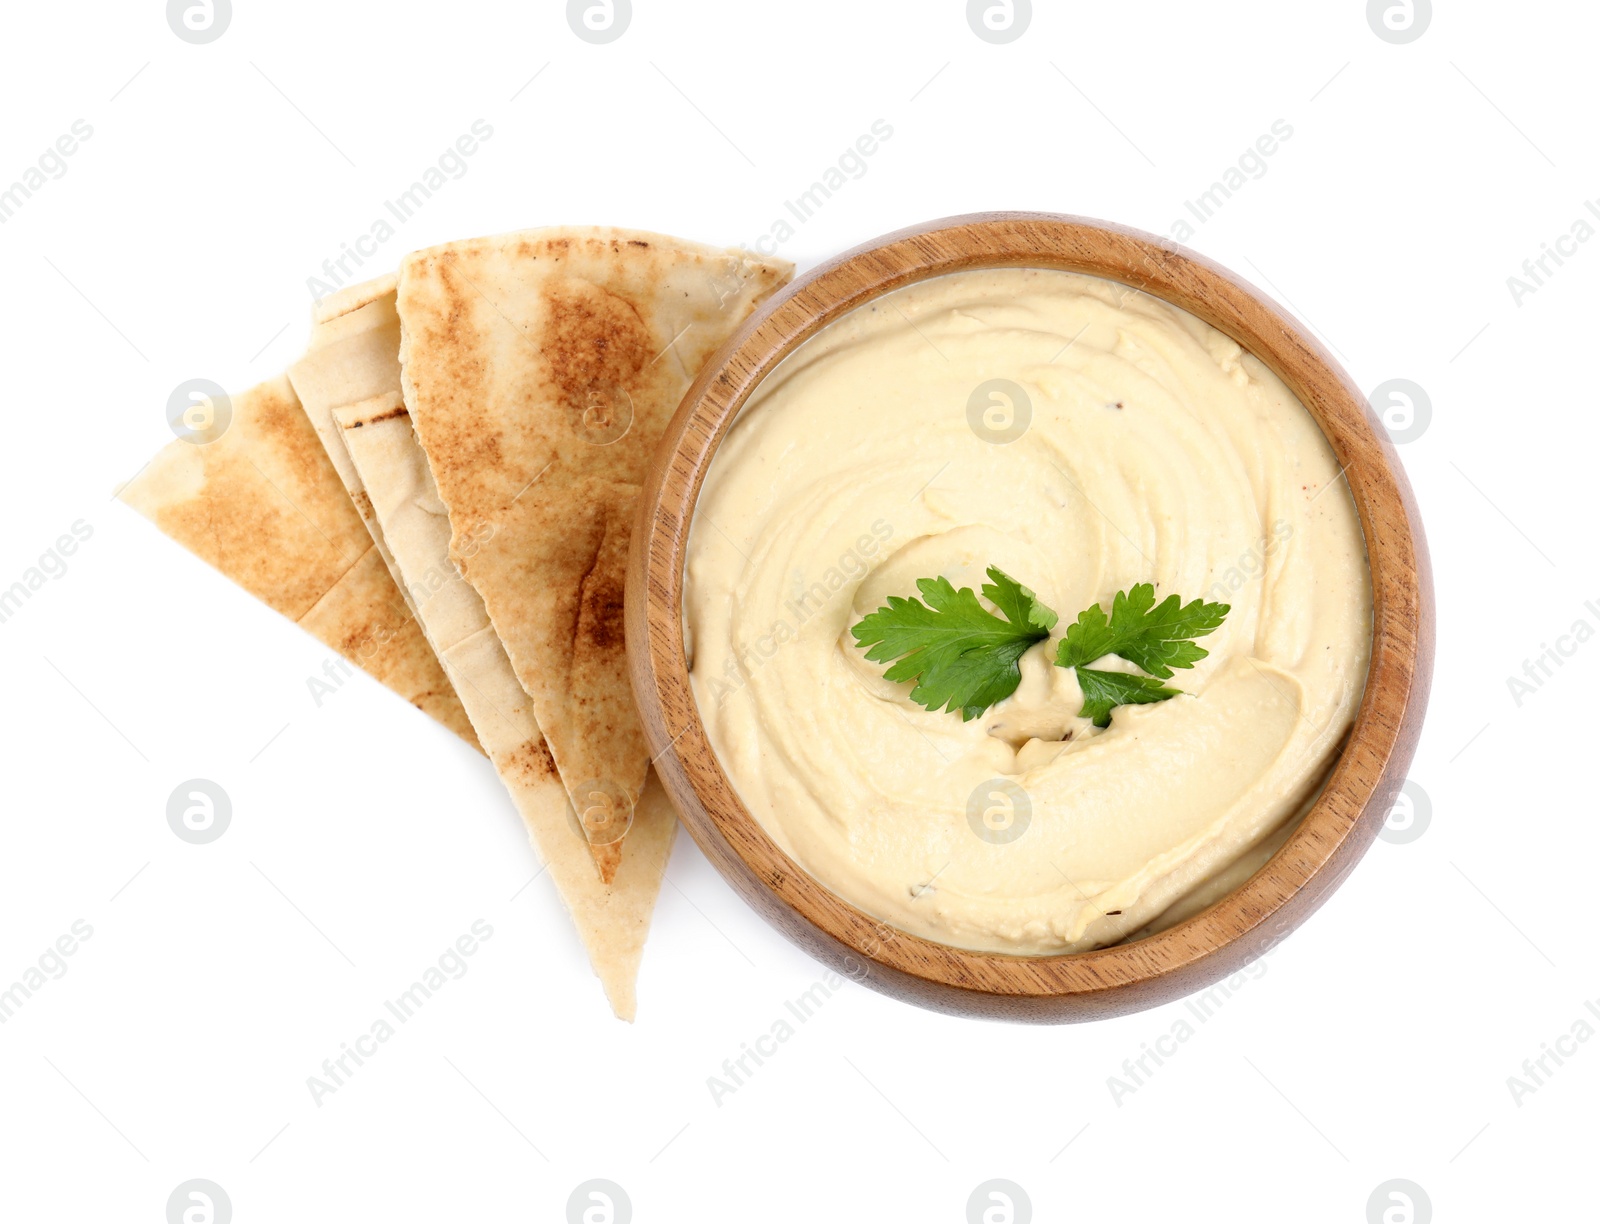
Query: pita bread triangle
point(613, 918)
point(540, 370)
point(263, 504)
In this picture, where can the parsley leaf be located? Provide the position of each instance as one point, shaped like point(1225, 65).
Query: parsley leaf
point(1104, 690)
point(1154, 639)
point(962, 656)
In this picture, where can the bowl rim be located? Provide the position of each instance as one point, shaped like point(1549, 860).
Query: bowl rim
point(1204, 948)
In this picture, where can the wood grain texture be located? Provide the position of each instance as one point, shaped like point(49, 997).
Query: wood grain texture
point(1205, 948)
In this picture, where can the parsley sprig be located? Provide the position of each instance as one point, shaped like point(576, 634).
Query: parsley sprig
point(1153, 638)
point(963, 657)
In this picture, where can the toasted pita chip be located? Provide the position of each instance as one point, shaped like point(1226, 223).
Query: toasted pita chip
point(540, 370)
point(612, 918)
point(263, 504)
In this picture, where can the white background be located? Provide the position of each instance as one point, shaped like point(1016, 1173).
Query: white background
point(1374, 1044)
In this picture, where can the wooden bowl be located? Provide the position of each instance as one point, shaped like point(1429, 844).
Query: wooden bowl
point(1205, 948)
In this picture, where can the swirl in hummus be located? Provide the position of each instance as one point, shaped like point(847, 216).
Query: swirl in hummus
point(1145, 446)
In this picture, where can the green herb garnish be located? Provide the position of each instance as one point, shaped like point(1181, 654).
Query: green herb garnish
point(1104, 691)
point(1153, 638)
point(961, 655)
point(964, 657)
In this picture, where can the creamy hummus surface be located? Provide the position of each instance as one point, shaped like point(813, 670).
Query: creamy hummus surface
point(1082, 437)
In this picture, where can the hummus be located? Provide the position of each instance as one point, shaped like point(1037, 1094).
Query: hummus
point(1083, 437)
